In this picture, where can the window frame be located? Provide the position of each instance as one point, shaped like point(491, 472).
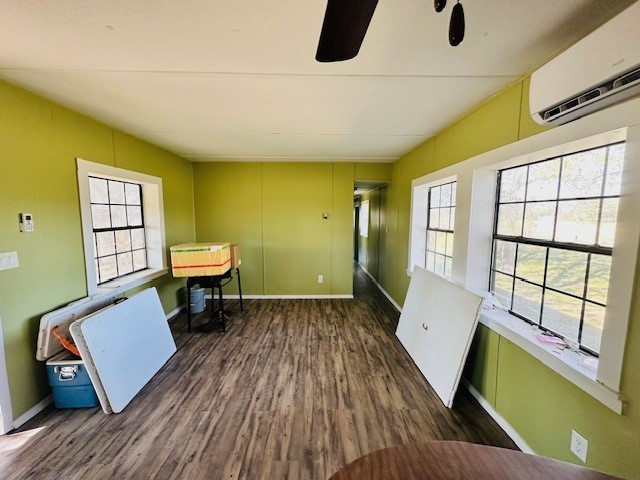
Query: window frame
point(153, 214)
point(417, 254)
point(522, 239)
point(113, 229)
point(475, 206)
point(449, 233)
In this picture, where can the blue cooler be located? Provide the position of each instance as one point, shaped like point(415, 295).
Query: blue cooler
point(68, 377)
point(72, 387)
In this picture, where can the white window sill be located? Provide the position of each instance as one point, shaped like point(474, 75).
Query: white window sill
point(122, 284)
point(568, 363)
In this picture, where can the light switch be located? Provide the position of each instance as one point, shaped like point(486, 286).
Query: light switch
point(9, 260)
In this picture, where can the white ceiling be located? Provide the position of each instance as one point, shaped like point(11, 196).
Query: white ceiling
point(237, 80)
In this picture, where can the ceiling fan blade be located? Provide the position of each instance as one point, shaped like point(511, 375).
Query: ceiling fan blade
point(343, 30)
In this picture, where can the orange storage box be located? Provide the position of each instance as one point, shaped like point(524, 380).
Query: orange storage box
point(200, 259)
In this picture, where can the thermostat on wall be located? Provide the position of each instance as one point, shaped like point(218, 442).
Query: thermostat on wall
point(26, 222)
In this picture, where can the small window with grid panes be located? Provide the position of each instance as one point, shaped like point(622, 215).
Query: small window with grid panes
point(118, 228)
point(553, 241)
point(441, 212)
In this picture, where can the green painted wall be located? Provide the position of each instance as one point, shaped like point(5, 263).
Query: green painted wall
point(39, 142)
point(274, 211)
point(542, 406)
point(373, 171)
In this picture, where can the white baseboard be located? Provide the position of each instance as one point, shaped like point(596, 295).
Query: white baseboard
point(32, 412)
point(175, 311)
point(508, 429)
point(384, 292)
point(270, 297)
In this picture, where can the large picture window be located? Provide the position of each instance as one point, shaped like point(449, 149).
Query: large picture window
point(441, 212)
point(553, 240)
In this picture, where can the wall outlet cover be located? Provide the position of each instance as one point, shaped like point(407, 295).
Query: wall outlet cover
point(579, 446)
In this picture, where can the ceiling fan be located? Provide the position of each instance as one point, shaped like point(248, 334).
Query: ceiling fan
point(346, 23)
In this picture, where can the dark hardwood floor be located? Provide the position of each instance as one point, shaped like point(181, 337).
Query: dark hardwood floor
point(294, 389)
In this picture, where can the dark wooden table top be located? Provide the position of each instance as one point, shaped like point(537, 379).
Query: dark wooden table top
point(459, 460)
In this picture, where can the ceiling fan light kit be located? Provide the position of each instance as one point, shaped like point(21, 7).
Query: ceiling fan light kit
point(456, 25)
point(439, 5)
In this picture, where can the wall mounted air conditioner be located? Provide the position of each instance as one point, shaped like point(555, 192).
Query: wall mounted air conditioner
point(600, 70)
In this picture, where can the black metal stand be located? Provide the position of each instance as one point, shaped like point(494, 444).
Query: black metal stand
point(213, 282)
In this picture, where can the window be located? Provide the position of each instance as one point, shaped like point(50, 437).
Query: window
point(441, 212)
point(118, 228)
point(553, 240)
point(123, 226)
point(364, 218)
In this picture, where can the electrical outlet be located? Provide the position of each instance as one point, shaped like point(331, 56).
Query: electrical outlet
point(579, 446)
point(320, 278)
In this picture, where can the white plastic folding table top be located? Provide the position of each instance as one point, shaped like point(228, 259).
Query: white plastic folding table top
point(123, 347)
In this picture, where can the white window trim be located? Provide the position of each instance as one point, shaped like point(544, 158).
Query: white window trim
point(153, 209)
point(475, 207)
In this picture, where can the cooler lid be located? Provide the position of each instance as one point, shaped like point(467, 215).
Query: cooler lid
point(48, 345)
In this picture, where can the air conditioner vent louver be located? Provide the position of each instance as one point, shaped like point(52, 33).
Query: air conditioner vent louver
point(597, 72)
point(610, 87)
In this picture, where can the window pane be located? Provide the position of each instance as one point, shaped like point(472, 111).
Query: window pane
point(592, 328)
point(512, 183)
point(599, 270)
point(439, 267)
point(530, 264)
point(107, 268)
point(608, 222)
point(116, 192)
point(527, 300)
point(125, 263)
point(502, 285)
point(539, 219)
point(132, 193)
point(434, 218)
point(449, 249)
point(431, 240)
point(510, 219)
point(447, 267)
point(445, 195)
point(118, 216)
point(105, 243)
point(434, 200)
point(441, 242)
point(614, 170)
point(98, 190)
point(561, 314)
point(123, 241)
point(582, 174)
point(431, 261)
point(505, 256)
point(577, 221)
point(454, 191)
point(452, 220)
point(100, 216)
point(566, 271)
point(444, 218)
point(139, 260)
point(543, 180)
point(134, 216)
